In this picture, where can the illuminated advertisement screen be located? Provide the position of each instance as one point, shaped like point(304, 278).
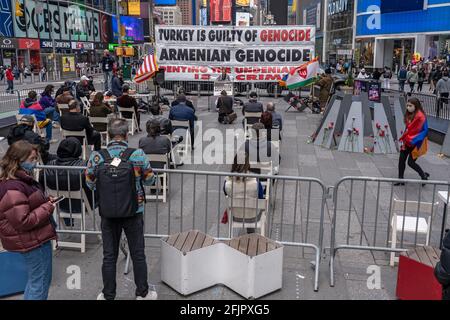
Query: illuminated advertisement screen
point(165, 2)
point(132, 29)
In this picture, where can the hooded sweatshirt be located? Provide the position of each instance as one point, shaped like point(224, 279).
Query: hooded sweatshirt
point(31, 106)
point(47, 101)
point(443, 85)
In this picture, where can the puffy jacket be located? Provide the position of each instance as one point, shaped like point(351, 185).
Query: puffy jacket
point(30, 106)
point(442, 269)
point(182, 112)
point(9, 75)
point(25, 214)
point(69, 153)
point(47, 101)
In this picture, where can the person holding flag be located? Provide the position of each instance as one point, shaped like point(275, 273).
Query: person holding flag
point(414, 140)
point(325, 83)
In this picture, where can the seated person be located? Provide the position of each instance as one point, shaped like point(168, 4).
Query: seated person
point(277, 120)
point(243, 188)
point(267, 121)
point(24, 131)
point(258, 147)
point(65, 97)
point(100, 109)
point(155, 143)
point(91, 84)
point(181, 98)
point(166, 124)
point(252, 106)
point(126, 101)
point(49, 104)
point(181, 112)
point(68, 154)
point(83, 88)
point(74, 120)
point(225, 106)
point(30, 106)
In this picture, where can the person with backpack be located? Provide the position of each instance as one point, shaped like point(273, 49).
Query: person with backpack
point(118, 174)
point(402, 76)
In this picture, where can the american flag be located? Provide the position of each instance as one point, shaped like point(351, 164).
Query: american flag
point(148, 68)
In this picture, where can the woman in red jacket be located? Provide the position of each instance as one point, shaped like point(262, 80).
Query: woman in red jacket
point(414, 139)
point(26, 223)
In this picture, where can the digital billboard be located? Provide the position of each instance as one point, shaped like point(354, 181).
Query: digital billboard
point(165, 2)
point(401, 5)
point(220, 10)
point(132, 29)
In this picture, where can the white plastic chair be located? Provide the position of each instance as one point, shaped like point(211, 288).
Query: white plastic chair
point(405, 220)
point(134, 123)
point(86, 105)
point(161, 187)
point(67, 133)
point(101, 120)
point(248, 204)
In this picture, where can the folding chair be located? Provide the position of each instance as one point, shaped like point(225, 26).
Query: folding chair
point(101, 120)
point(257, 209)
point(63, 108)
point(36, 128)
point(67, 133)
point(184, 147)
point(250, 115)
point(86, 105)
point(85, 207)
point(412, 223)
point(172, 159)
point(134, 123)
point(161, 187)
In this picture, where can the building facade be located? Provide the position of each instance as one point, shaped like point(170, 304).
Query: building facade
point(390, 32)
point(186, 7)
point(311, 13)
point(172, 15)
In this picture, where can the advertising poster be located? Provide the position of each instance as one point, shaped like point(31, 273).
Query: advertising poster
point(242, 19)
point(6, 21)
point(374, 91)
point(220, 10)
point(132, 29)
point(68, 64)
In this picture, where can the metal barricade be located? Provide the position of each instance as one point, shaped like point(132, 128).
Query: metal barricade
point(293, 207)
point(443, 108)
point(364, 215)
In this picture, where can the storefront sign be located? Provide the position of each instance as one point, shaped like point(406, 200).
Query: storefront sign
point(29, 44)
point(64, 23)
point(337, 6)
point(235, 46)
point(82, 45)
point(134, 7)
point(58, 44)
point(8, 43)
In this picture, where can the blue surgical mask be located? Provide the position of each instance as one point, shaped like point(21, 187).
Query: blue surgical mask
point(28, 166)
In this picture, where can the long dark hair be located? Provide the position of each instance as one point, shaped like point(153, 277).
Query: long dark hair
point(48, 90)
point(239, 167)
point(410, 116)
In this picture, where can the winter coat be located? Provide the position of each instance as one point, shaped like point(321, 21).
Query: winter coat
point(25, 214)
point(9, 75)
point(32, 107)
point(47, 101)
point(442, 269)
point(325, 84)
point(443, 85)
point(413, 77)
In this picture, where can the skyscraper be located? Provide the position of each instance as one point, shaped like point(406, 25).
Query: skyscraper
point(186, 10)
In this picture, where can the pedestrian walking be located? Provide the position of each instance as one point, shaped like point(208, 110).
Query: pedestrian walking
point(421, 79)
point(443, 89)
point(387, 76)
point(26, 223)
point(107, 68)
point(414, 140)
point(412, 78)
point(10, 80)
point(43, 74)
point(118, 173)
point(402, 76)
point(2, 73)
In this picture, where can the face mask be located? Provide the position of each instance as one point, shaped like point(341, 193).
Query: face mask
point(28, 166)
point(411, 109)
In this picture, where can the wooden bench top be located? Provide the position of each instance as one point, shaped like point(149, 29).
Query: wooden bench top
point(250, 244)
point(190, 240)
point(427, 255)
point(253, 244)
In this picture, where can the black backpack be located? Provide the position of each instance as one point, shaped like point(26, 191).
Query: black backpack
point(116, 186)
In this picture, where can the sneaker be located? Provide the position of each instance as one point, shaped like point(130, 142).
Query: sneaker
point(101, 296)
point(151, 295)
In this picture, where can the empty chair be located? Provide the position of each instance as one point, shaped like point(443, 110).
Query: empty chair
point(160, 189)
point(410, 217)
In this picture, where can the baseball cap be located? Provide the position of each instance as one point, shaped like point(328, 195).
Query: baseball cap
point(84, 78)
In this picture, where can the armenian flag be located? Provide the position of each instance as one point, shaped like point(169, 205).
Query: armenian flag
point(416, 135)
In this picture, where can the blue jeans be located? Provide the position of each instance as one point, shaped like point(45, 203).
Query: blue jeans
point(54, 115)
point(108, 79)
point(49, 132)
point(39, 266)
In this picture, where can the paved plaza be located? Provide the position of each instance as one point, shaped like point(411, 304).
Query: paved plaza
point(298, 158)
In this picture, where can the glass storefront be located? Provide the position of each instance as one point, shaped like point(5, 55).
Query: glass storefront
point(339, 29)
point(364, 52)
